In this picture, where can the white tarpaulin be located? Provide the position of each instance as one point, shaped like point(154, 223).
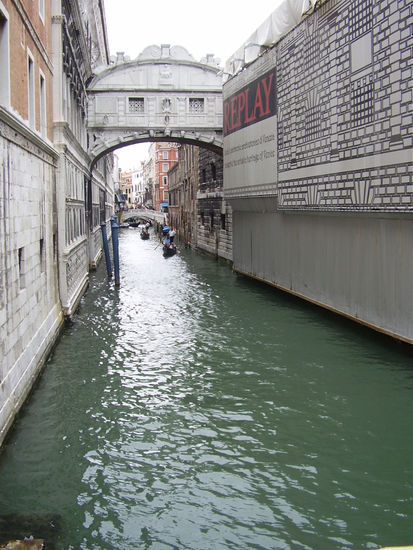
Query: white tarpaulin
point(284, 18)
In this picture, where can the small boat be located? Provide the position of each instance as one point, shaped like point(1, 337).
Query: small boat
point(144, 234)
point(169, 250)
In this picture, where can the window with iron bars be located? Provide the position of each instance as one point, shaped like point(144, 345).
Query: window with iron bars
point(136, 105)
point(196, 105)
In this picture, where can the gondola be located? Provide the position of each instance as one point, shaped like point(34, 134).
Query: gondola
point(168, 250)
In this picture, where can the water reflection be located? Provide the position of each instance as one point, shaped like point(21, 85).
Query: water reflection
point(192, 408)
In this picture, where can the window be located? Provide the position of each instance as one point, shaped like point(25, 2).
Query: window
point(22, 281)
point(42, 255)
point(223, 221)
point(164, 181)
point(30, 87)
point(42, 105)
point(313, 123)
point(136, 105)
point(4, 57)
point(361, 17)
point(213, 171)
point(54, 247)
point(362, 101)
point(102, 203)
point(165, 155)
point(196, 105)
point(41, 9)
point(203, 175)
point(165, 167)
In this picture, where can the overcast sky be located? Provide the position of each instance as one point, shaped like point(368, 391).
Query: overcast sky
point(218, 27)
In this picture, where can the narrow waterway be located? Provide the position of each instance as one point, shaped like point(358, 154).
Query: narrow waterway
point(195, 409)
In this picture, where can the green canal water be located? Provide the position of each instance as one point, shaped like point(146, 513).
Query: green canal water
point(195, 409)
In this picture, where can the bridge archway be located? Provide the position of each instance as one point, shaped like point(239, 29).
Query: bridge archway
point(163, 95)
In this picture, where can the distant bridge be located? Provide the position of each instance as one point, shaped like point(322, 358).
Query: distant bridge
point(143, 214)
point(163, 95)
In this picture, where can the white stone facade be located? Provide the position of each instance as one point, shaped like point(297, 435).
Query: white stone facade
point(30, 313)
point(51, 198)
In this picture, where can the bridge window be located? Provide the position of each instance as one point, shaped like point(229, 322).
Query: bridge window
point(196, 105)
point(136, 104)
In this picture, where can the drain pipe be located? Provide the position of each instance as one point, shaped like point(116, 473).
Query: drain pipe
point(106, 248)
point(115, 244)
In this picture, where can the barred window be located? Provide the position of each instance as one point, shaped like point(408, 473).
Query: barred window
point(136, 105)
point(196, 105)
point(362, 102)
point(312, 52)
point(313, 123)
point(361, 16)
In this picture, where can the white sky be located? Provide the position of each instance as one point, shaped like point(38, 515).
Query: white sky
point(218, 27)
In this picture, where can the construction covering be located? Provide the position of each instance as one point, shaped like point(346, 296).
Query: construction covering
point(285, 17)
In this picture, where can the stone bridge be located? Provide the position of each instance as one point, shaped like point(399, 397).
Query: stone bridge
point(159, 217)
point(163, 95)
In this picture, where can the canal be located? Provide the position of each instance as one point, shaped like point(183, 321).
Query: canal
point(195, 409)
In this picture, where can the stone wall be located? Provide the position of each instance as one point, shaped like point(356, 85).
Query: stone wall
point(30, 314)
point(214, 232)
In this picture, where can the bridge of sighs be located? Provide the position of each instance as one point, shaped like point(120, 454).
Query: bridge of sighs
point(163, 95)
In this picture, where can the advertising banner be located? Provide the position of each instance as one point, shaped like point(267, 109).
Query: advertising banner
point(250, 140)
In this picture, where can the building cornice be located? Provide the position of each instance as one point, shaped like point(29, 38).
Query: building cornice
point(19, 126)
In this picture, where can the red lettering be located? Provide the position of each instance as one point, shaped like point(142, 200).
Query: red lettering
point(258, 102)
point(248, 118)
point(241, 106)
point(240, 112)
point(234, 123)
point(267, 90)
point(226, 118)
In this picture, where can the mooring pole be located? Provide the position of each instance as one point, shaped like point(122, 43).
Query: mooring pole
point(106, 248)
point(115, 244)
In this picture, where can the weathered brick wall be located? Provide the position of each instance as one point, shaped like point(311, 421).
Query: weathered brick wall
point(214, 231)
point(345, 108)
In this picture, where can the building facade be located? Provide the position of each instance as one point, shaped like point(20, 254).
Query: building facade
point(183, 188)
point(125, 186)
point(138, 186)
point(164, 155)
point(318, 162)
point(51, 203)
point(214, 217)
point(30, 311)
point(84, 196)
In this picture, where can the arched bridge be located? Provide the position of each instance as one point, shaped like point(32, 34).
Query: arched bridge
point(163, 95)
